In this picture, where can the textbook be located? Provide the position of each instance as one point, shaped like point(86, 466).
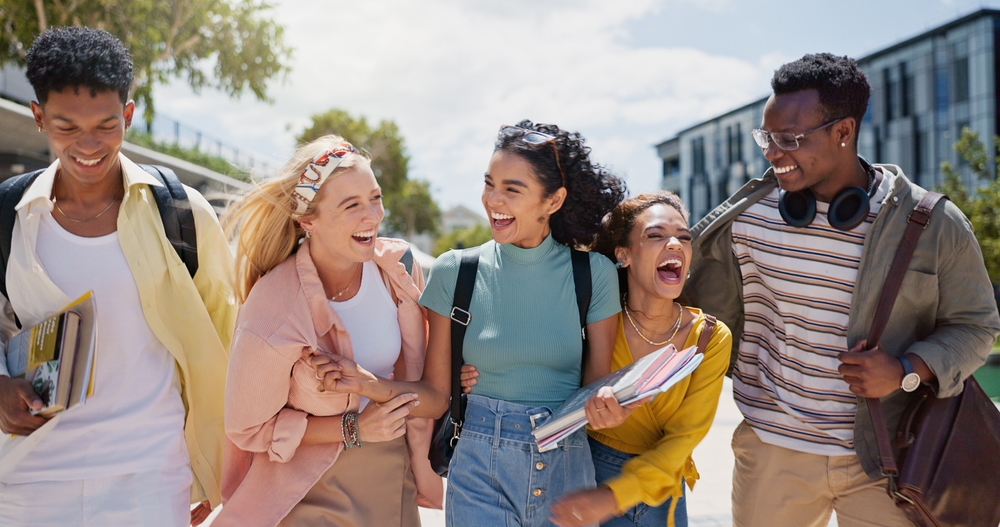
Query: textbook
point(57, 356)
point(650, 375)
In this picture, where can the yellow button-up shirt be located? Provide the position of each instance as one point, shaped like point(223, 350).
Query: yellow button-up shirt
point(192, 318)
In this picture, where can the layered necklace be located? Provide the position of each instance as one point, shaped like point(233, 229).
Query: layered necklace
point(344, 290)
point(673, 330)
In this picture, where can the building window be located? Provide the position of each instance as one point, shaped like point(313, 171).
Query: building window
point(907, 90)
point(738, 143)
point(698, 156)
point(890, 82)
point(961, 68)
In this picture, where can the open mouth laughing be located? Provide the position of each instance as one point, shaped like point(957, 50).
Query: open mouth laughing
point(501, 221)
point(669, 270)
point(364, 237)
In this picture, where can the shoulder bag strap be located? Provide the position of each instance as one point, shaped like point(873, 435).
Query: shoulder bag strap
point(460, 318)
point(706, 333)
point(11, 192)
point(175, 214)
point(584, 289)
point(916, 223)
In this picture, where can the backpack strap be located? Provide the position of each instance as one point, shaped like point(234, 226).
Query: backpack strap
point(11, 192)
point(460, 318)
point(706, 333)
point(176, 215)
point(407, 260)
point(584, 289)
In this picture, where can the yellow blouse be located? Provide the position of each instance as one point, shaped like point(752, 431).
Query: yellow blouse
point(665, 430)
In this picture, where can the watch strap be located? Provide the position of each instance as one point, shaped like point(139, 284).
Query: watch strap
point(907, 366)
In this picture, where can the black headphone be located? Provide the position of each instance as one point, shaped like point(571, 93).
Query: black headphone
point(848, 209)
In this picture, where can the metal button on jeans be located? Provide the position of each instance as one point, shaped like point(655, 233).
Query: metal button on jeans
point(539, 465)
point(538, 492)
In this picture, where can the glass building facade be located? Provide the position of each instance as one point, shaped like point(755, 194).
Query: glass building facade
point(925, 90)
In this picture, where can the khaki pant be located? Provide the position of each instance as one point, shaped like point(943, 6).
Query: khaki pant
point(775, 487)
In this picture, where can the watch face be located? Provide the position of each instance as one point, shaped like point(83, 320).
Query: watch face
point(911, 381)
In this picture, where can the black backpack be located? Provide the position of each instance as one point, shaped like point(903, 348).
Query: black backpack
point(171, 200)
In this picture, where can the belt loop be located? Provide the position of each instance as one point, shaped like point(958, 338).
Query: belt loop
point(497, 425)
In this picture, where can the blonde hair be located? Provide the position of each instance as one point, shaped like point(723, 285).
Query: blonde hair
point(263, 222)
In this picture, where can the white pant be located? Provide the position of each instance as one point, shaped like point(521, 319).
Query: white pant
point(147, 499)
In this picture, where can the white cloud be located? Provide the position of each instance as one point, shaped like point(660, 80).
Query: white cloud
point(451, 72)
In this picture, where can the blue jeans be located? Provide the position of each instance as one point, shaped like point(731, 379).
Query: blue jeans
point(608, 464)
point(497, 476)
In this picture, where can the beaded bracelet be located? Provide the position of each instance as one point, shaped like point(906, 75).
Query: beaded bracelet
point(349, 429)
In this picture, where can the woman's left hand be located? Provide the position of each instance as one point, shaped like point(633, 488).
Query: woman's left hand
point(585, 507)
point(338, 373)
point(603, 410)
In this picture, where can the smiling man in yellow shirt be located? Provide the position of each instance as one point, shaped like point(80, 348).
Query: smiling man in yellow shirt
point(149, 442)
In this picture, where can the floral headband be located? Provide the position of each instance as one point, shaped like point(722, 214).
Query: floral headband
point(315, 175)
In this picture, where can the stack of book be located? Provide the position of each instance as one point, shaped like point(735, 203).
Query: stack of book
point(650, 375)
point(57, 356)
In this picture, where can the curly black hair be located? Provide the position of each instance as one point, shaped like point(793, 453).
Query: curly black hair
point(78, 57)
point(591, 190)
point(616, 228)
point(843, 88)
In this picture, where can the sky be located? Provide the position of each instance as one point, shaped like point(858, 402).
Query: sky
point(626, 74)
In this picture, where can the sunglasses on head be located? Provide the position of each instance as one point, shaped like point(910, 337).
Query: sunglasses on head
point(533, 137)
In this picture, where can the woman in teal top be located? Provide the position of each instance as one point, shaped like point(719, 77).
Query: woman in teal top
point(542, 195)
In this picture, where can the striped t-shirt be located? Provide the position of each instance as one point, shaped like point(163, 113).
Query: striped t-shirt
point(797, 286)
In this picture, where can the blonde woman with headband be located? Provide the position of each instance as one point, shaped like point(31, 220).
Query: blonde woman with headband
point(329, 308)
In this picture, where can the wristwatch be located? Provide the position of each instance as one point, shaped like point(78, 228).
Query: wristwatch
point(911, 380)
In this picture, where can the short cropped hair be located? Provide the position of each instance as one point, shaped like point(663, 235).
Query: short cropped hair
point(843, 88)
point(79, 57)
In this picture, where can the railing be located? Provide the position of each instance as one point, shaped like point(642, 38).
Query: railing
point(166, 130)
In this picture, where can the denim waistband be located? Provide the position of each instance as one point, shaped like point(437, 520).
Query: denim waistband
point(502, 419)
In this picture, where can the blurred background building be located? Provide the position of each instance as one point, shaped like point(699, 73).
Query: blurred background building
point(925, 90)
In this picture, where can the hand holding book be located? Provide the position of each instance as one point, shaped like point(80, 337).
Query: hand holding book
point(17, 399)
point(604, 411)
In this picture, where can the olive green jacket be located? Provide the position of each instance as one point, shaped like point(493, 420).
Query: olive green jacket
point(945, 312)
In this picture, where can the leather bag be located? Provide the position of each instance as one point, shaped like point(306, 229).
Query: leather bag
point(947, 470)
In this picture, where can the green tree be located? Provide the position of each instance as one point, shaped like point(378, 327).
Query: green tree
point(231, 45)
point(411, 208)
point(982, 205)
point(462, 238)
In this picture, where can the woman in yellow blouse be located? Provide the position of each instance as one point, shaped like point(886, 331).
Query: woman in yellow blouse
point(642, 464)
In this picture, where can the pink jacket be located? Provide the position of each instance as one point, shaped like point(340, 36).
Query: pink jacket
point(270, 390)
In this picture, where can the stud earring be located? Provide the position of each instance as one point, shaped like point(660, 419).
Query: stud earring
point(689, 273)
point(618, 265)
point(842, 145)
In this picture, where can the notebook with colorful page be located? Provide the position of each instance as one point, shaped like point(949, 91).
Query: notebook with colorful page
point(650, 375)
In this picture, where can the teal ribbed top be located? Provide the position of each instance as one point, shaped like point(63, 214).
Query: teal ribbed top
point(524, 337)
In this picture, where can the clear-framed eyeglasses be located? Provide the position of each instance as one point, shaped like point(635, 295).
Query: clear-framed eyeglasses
point(786, 141)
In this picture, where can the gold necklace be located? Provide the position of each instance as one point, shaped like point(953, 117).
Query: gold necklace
point(56, 203)
point(344, 290)
point(674, 330)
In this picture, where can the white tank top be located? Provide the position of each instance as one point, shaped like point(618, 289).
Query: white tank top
point(371, 320)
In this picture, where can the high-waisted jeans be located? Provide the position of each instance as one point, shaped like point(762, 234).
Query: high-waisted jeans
point(608, 464)
point(497, 476)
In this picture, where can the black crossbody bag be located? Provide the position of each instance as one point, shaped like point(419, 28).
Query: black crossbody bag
point(448, 428)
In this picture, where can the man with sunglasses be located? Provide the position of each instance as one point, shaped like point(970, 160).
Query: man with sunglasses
point(794, 263)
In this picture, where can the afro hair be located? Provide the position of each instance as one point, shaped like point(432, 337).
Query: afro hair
point(843, 88)
point(79, 57)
